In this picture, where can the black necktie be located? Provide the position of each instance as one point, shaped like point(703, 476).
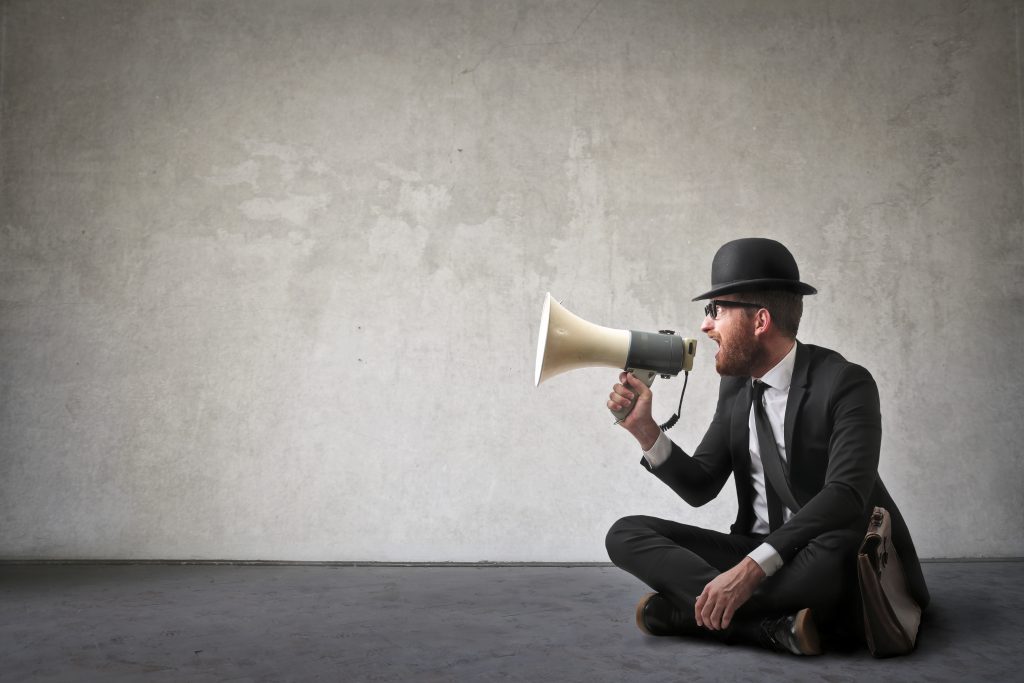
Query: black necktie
point(775, 484)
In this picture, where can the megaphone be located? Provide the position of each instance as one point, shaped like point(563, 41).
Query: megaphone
point(567, 342)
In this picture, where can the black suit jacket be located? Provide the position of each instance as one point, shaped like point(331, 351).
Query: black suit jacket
point(833, 432)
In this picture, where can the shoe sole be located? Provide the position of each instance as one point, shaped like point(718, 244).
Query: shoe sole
point(806, 632)
point(640, 613)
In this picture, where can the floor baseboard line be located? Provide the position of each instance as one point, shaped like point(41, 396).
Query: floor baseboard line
point(300, 563)
point(370, 563)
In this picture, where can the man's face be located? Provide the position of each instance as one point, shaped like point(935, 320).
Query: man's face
point(733, 330)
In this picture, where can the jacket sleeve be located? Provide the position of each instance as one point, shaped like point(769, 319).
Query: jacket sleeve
point(698, 479)
point(853, 449)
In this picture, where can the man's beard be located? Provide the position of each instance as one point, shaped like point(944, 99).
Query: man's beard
point(736, 358)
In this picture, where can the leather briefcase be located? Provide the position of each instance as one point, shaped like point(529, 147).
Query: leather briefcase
point(891, 616)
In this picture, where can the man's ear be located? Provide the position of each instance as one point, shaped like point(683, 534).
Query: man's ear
point(763, 321)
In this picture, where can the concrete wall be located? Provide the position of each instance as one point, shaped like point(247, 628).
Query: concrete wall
point(271, 273)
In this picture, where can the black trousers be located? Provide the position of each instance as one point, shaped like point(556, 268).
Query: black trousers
point(678, 560)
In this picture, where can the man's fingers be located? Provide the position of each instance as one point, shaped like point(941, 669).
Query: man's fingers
point(712, 614)
point(623, 392)
point(720, 599)
point(617, 407)
point(617, 401)
point(727, 616)
point(713, 611)
point(621, 398)
point(707, 608)
point(635, 384)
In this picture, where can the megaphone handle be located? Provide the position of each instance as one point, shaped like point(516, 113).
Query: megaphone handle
point(645, 376)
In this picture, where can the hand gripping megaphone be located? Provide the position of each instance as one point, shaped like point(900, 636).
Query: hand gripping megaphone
point(567, 342)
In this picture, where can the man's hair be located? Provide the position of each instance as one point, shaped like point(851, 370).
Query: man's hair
point(786, 308)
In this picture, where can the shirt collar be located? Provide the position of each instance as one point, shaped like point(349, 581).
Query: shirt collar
point(781, 376)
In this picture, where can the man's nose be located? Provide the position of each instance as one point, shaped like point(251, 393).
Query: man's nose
point(707, 325)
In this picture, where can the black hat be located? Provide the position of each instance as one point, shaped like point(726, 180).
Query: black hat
point(754, 263)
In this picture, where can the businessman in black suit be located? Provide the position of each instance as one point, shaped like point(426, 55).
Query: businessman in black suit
point(799, 428)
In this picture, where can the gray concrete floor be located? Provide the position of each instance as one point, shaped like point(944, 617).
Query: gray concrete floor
point(304, 623)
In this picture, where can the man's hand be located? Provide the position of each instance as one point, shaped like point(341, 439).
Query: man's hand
point(720, 599)
point(639, 422)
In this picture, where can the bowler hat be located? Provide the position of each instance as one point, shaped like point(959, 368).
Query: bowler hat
point(754, 263)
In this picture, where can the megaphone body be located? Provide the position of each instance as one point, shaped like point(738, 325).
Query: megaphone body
point(567, 342)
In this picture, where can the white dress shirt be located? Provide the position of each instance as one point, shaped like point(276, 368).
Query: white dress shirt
point(776, 395)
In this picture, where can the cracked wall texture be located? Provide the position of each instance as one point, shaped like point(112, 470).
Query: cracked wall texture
point(271, 273)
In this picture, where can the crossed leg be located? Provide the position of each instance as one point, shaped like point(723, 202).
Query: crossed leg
point(678, 560)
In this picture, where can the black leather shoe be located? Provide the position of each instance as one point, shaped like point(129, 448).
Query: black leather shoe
point(656, 616)
point(793, 633)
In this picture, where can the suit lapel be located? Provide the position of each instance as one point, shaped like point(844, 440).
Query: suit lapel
point(797, 389)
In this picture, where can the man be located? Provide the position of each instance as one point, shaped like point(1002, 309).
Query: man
point(802, 443)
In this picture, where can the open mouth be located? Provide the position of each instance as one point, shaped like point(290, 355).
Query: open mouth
point(718, 349)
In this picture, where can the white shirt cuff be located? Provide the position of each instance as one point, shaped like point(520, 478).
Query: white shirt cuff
point(660, 451)
point(767, 557)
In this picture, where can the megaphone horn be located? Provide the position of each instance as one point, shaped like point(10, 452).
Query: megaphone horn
point(567, 342)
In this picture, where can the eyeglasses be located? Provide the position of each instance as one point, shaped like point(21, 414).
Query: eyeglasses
point(714, 308)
